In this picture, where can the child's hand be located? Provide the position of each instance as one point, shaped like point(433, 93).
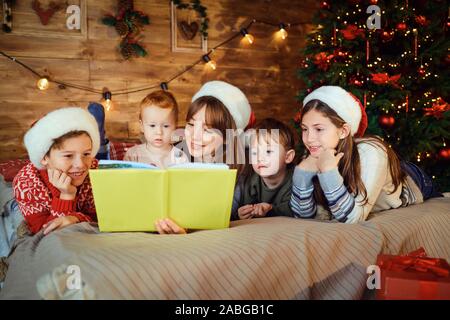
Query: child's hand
point(59, 223)
point(63, 183)
point(246, 212)
point(329, 160)
point(261, 209)
point(309, 164)
point(167, 226)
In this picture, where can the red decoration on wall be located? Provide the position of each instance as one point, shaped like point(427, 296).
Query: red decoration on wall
point(45, 15)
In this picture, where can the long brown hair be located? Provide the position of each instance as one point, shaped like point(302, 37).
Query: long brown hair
point(219, 118)
point(350, 165)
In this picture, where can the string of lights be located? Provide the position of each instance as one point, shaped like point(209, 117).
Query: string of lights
point(44, 80)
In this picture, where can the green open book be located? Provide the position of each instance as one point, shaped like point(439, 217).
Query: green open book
point(131, 196)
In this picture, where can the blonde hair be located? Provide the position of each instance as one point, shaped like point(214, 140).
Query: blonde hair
point(162, 99)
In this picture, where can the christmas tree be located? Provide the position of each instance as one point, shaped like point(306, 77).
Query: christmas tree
point(398, 69)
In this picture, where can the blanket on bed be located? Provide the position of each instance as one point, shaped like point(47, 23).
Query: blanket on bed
point(270, 258)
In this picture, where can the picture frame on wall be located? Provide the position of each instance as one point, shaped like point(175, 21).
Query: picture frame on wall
point(186, 35)
point(69, 20)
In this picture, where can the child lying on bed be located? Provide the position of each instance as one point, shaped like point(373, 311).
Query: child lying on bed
point(266, 191)
point(54, 191)
point(347, 173)
point(158, 118)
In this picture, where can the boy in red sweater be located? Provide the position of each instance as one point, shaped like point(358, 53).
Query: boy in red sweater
point(54, 190)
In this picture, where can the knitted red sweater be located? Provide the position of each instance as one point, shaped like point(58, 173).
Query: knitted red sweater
point(39, 200)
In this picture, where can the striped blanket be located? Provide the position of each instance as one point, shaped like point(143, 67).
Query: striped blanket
point(270, 258)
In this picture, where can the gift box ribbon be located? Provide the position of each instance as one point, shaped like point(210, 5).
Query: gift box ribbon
point(418, 261)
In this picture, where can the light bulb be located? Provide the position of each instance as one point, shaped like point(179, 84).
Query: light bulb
point(212, 64)
point(107, 100)
point(283, 33)
point(247, 36)
point(250, 38)
point(43, 84)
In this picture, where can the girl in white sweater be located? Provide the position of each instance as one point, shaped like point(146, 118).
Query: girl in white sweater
point(344, 172)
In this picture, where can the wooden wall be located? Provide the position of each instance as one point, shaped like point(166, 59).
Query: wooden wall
point(265, 71)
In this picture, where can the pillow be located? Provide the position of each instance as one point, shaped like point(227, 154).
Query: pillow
point(9, 169)
point(117, 149)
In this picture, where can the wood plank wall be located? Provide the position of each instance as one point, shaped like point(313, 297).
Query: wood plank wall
point(265, 71)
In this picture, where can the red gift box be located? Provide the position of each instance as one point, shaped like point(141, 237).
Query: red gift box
point(413, 277)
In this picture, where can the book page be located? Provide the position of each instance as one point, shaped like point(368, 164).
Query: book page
point(201, 199)
point(129, 199)
point(200, 165)
point(120, 164)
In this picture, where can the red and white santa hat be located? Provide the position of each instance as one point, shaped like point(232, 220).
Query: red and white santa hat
point(233, 99)
point(41, 136)
point(345, 104)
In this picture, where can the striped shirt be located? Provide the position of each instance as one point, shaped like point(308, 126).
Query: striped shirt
point(344, 206)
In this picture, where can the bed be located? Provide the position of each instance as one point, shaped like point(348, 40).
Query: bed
point(269, 258)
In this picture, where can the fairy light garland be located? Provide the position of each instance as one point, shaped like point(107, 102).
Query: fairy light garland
point(44, 80)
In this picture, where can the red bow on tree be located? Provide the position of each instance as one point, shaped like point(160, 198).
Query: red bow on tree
point(422, 20)
point(438, 108)
point(351, 32)
point(322, 60)
point(383, 78)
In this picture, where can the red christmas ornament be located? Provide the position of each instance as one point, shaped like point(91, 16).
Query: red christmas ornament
point(373, 1)
point(386, 121)
point(325, 5)
point(387, 36)
point(421, 71)
point(356, 81)
point(297, 117)
point(445, 153)
point(339, 54)
point(401, 26)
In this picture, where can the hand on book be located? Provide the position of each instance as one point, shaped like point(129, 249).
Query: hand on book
point(167, 226)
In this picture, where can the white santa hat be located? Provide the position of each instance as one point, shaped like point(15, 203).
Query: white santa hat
point(345, 104)
point(233, 99)
point(55, 124)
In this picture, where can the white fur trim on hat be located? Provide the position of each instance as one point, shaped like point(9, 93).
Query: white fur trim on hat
point(41, 136)
point(232, 97)
point(340, 101)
